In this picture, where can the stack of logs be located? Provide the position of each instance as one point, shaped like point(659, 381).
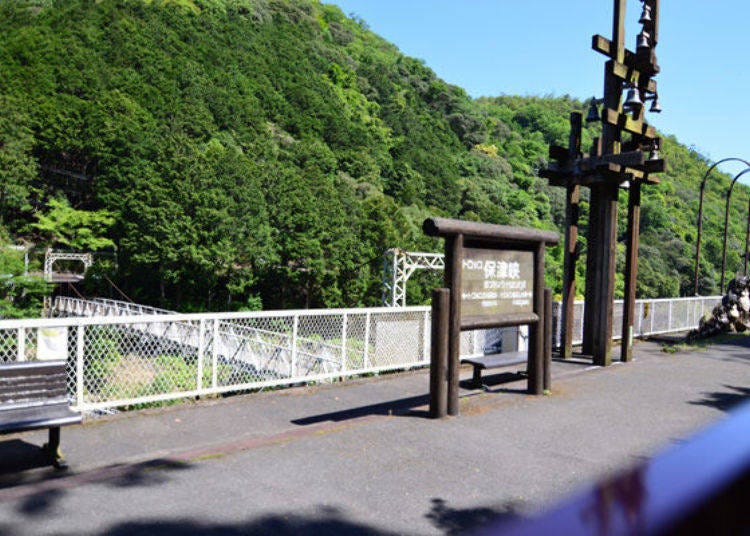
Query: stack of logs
point(731, 315)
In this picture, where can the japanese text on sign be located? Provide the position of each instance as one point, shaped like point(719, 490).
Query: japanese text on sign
point(496, 282)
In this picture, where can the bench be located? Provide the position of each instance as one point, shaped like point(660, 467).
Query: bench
point(33, 395)
point(493, 361)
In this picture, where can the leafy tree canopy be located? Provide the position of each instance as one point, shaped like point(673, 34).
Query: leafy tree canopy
point(265, 153)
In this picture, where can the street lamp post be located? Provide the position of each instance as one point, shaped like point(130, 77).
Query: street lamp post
point(700, 214)
point(726, 225)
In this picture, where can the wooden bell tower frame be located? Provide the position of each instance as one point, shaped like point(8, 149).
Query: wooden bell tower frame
point(613, 163)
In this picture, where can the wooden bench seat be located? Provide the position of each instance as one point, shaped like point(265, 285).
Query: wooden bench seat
point(493, 361)
point(33, 395)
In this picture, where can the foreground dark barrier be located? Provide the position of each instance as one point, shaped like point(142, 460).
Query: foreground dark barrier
point(701, 486)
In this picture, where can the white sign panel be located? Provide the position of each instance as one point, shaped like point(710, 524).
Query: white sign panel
point(495, 283)
point(52, 344)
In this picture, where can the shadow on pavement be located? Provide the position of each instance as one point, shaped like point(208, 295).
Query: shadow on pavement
point(404, 407)
point(38, 492)
point(278, 525)
point(17, 456)
point(497, 379)
point(415, 406)
point(329, 521)
point(724, 400)
point(456, 521)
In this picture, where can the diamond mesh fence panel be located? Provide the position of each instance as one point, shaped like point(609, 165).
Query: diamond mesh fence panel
point(354, 342)
point(660, 316)
point(134, 361)
point(320, 345)
point(72, 351)
point(30, 338)
point(251, 350)
point(398, 339)
point(617, 313)
point(129, 361)
point(8, 345)
point(680, 318)
point(638, 322)
point(577, 322)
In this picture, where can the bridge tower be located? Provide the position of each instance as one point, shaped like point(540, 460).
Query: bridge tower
point(398, 267)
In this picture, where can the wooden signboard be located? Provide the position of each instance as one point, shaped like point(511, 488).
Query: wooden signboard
point(494, 276)
point(496, 285)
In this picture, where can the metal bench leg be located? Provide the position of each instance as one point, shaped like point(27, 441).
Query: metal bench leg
point(52, 448)
point(476, 379)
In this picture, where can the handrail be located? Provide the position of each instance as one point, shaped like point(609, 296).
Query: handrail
point(701, 486)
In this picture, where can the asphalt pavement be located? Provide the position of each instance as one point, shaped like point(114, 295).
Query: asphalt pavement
point(361, 456)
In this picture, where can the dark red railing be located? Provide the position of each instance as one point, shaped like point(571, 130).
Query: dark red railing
point(701, 486)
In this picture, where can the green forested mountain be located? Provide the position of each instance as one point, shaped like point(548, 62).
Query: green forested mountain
point(247, 153)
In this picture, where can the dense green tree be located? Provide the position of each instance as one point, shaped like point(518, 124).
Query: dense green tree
point(265, 153)
point(18, 167)
point(82, 230)
point(21, 294)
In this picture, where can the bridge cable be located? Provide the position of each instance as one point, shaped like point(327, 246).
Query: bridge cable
point(118, 289)
point(76, 291)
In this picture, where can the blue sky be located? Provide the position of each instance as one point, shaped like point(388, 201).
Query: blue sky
point(543, 47)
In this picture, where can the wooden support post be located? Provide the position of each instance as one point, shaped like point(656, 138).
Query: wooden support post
point(618, 30)
point(572, 200)
point(655, 17)
point(439, 352)
point(593, 241)
point(536, 330)
point(631, 269)
point(604, 171)
point(572, 213)
point(602, 236)
point(600, 299)
point(547, 317)
point(453, 281)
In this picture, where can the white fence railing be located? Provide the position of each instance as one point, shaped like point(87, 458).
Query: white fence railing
point(124, 355)
point(651, 317)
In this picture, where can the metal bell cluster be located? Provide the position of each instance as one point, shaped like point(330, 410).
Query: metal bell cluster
point(643, 40)
point(635, 97)
point(633, 101)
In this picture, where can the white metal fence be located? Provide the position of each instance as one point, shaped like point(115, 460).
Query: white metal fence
point(123, 355)
point(651, 317)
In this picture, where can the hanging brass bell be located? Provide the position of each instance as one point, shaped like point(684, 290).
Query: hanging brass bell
point(593, 114)
point(655, 107)
point(646, 16)
point(642, 41)
point(633, 100)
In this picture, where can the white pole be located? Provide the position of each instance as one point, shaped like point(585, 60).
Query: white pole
point(215, 354)
point(201, 349)
point(21, 334)
point(344, 322)
point(80, 332)
point(669, 325)
point(652, 310)
point(366, 362)
point(293, 364)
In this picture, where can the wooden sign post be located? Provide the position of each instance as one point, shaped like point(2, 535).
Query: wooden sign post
point(495, 278)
